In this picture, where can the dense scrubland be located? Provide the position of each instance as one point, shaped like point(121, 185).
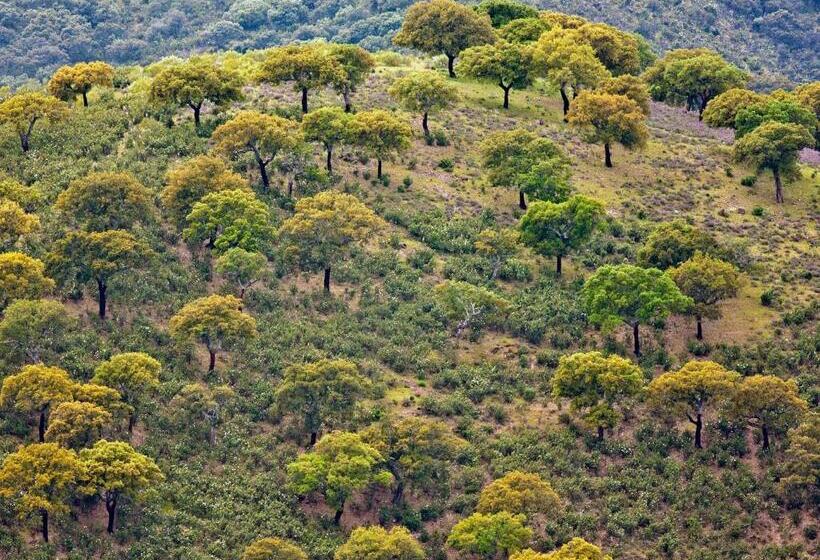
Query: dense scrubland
point(533, 292)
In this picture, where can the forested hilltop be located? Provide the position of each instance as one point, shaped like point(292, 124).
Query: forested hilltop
point(523, 290)
point(775, 39)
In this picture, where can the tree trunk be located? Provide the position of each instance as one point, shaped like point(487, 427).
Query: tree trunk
point(111, 507)
point(338, 517)
point(263, 172)
point(24, 142)
point(211, 435)
point(212, 361)
point(424, 124)
point(85, 99)
point(329, 159)
point(451, 65)
point(764, 429)
point(103, 289)
point(636, 340)
point(379, 170)
point(132, 420)
point(778, 186)
point(522, 200)
point(348, 104)
point(607, 155)
point(699, 432)
point(327, 280)
point(313, 437)
point(197, 109)
point(558, 259)
point(565, 99)
point(44, 516)
point(703, 101)
point(506, 96)
point(699, 321)
point(398, 493)
point(600, 433)
point(304, 100)
point(42, 427)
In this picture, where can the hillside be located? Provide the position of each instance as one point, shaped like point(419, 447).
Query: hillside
point(420, 337)
point(774, 39)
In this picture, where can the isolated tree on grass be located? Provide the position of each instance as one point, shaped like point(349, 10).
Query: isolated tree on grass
point(324, 392)
point(308, 66)
point(490, 536)
point(325, 228)
point(329, 126)
point(774, 146)
point(508, 65)
point(769, 404)
point(40, 479)
point(263, 136)
point(595, 384)
point(34, 331)
point(201, 403)
point(134, 375)
point(423, 92)
point(214, 321)
point(521, 160)
point(189, 180)
point(377, 543)
point(380, 134)
point(228, 219)
point(722, 109)
point(106, 201)
point(339, 465)
point(23, 110)
point(356, 64)
point(114, 469)
point(672, 243)
point(70, 81)
point(98, 257)
point(707, 281)
point(76, 424)
point(444, 27)
point(629, 294)
point(191, 83)
point(36, 390)
point(691, 390)
point(519, 493)
point(22, 277)
point(273, 548)
point(605, 119)
point(243, 268)
point(554, 229)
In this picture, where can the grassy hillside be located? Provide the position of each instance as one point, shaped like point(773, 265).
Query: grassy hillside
point(644, 493)
point(774, 39)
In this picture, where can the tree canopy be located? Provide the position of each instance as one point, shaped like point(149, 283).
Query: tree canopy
point(508, 65)
point(376, 543)
point(604, 118)
point(423, 92)
point(70, 81)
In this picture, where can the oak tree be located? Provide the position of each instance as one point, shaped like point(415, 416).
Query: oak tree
point(36, 390)
point(242, 268)
point(329, 126)
point(106, 201)
point(201, 403)
point(34, 331)
point(377, 543)
point(22, 277)
point(674, 242)
point(134, 375)
point(273, 548)
point(629, 86)
point(21, 112)
point(70, 81)
point(722, 109)
point(356, 64)
point(470, 307)
point(518, 493)
point(75, 424)
point(498, 246)
point(495, 535)
point(308, 66)
point(228, 219)
point(507, 65)
point(605, 119)
point(380, 134)
point(502, 12)
point(769, 404)
point(423, 92)
point(15, 223)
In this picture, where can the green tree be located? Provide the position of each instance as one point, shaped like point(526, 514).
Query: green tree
point(97, 256)
point(507, 64)
point(502, 12)
point(324, 392)
point(200, 402)
point(605, 119)
point(263, 136)
point(134, 375)
point(329, 126)
point(194, 81)
point(114, 469)
point(273, 548)
point(417, 451)
point(15, 223)
point(672, 243)
point(356, 64)
point(339, 465)
point(518, 493)
point(773, 110)
point(76, 424)
point(575, 549)
point(423, 92)
point(769, 404)
point(692, 77)
point(498, 246)
point(215, 321)
point(228, 219)
point(774, 146)
point(691, 390)
point(188, 181)
point(308, 66)
point(801, 469)
point(495, 535)
point(380, 134)
point(22, 277)
point(36, 390)
point(524, 31)
point(521, 160)
point(553, 229)
point(722, 109)
point(616, 49)
point(21, 112)
point(70, 81)
point(595, 383)
point(470, 307)
point(444, 27)
point(707, 281)
point(325, 228)
point(629, 86)
point(106, 201)
point(242, 268)
point(376, 543)
point(632, 295)
point(34, 331)
point(40, 478)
